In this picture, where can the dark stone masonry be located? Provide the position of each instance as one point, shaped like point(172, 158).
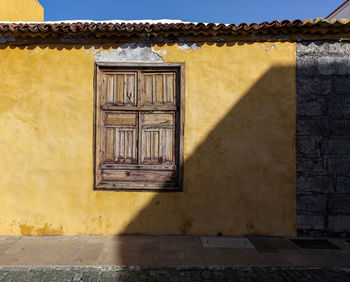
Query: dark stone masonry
point(323, 138)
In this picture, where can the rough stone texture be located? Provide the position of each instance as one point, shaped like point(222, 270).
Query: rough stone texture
point(323, 138)
point(342, 184)
point(196, 274)
point(339, 223)
point(341, 127)
point(317, 184)
point(312, 202)
point(308, 221)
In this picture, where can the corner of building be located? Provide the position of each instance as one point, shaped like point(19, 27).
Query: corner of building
point(21, 10)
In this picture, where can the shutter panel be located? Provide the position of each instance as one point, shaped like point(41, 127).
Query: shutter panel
point(158, 89)
point(157, 138)
point(121, 137)
point(121, 88)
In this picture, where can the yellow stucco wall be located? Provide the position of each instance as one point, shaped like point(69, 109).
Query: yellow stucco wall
point(239, 145)
point(21, 10)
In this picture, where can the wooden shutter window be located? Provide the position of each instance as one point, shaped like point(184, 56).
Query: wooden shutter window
point(139, 128)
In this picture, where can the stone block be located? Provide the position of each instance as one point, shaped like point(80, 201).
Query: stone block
point(314, 183)
point(339, 204)
point(340, 48)
point(335, 146)
point(310, 222)
point(326, 65)
point(218, 275)
point(342, 184)
point(223, 242)
point(339, 106)
point(312, 47)
point(340, 127)
point(304, 48)
point(309, 87)
point(341, 84)
point(196, 275)
point(206, 274)
point(311, 108)
point(339, 223)
point(312, 203)
point(338, 165)
point(306, 66)
point(314, 126)
point(330, 65)
point(309, 164)
point(342, 65)
point(307, 145)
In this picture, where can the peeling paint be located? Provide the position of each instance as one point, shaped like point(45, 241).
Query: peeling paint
point(91, 51)
point(130, 53)
point(160, 52)
point(188, 46)
point(38, 51)
point(33, 52)
point(268, 48)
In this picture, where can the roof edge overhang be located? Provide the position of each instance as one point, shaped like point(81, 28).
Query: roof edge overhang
point(172, 31)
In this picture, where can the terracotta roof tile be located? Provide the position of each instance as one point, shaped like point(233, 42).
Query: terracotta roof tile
point(320, 25)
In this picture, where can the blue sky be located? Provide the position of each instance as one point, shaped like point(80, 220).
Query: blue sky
point(225, 11)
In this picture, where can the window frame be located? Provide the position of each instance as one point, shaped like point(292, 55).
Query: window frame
point(179, 125)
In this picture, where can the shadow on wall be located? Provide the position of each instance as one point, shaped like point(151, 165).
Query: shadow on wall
point(241, 179)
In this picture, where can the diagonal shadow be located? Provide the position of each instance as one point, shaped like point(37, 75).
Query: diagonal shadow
point(240, 180)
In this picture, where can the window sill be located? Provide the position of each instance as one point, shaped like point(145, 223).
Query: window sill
point(137, 187)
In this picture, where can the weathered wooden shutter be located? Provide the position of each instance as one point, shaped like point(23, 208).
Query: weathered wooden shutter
point(137, 144)
point(121, 137)
point(158, 89)
point(121, 88)
point(157, 138)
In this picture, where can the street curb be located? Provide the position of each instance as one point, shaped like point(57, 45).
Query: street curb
point(138, 268)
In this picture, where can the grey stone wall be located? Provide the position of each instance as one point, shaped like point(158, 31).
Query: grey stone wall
point(323, 138)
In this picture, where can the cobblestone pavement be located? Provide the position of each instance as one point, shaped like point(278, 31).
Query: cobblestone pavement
point(174, 274)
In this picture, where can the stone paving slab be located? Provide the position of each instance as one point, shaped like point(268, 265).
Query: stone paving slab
point(272, 244)
point(223, 242)
point(174, 274)
point(168, 251)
